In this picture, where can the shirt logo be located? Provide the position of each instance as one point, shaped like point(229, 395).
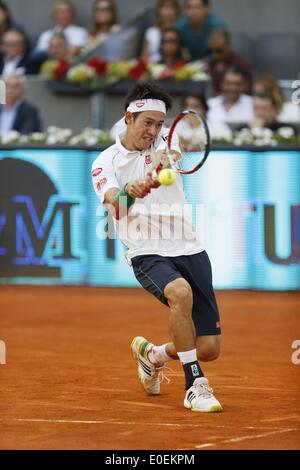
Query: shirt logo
point(96, 172)
point(140, 104)
point(101, 183)
point(148, 159)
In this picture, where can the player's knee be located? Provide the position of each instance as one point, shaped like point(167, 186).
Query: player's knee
point(179, 294)
point(208, 351)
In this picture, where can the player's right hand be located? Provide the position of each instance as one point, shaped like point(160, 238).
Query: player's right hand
point(138, 188)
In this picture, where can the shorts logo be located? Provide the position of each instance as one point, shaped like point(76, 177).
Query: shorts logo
point(140, 104)
point(195, 370)
point(148, 159)
point(101, 183)
point(96, 172)
point(218, 324)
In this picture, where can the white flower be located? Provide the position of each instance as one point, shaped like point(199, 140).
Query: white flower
point(52, 140)
point(9, 136)
point(38, 136)
point(286, 132)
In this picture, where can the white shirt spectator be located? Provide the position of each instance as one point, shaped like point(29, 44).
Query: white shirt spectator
point(11, 67)
point(76, 36)
point(153, 39)
point(240, 112)
point(290, 113)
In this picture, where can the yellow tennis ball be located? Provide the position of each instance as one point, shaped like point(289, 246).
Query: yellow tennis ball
point(166, 177)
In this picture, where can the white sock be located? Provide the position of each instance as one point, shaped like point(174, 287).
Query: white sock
point(188, 356)
point(158, 354)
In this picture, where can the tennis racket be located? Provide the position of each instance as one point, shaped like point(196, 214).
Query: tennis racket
point(188, 143)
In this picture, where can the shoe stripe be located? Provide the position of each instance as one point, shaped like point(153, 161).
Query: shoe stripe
point(145, 368)
point(143, 348)
point(191, 396)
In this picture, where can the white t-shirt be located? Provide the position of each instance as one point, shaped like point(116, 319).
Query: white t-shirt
point(75, 35)
point(153, 39)
point(161, 222)
point(241, 111)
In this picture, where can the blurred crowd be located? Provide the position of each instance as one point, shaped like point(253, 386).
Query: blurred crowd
point(178, 36)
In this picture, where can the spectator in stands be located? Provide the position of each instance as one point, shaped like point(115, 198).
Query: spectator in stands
point(232, 106)
point(287, 111)
point(197, 102)
point(14, 58)
point(222, 57)
point(17, 114)
point(7, 23)
point(167, 13)
point(171, 51)
point(59, 48)
point(196, 27)
point(105, 22)
point(265, 111)
point(64, 16)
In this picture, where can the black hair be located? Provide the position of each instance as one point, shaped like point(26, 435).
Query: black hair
point(8, 20)
point(221, 32)
point(179, 54)
point(198, 96)
point(148, 90)
point(205, 2)
point(236, 71)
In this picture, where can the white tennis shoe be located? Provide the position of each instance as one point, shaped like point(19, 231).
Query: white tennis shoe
point(199, 397)
point(149, 374)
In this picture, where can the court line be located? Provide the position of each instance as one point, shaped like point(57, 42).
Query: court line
point(122, 423)
point(270, 420)
point(245, 438)
point(154, 405)
point(258, 436)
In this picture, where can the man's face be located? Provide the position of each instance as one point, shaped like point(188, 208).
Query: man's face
point(58, 48)
point(13, 44)
point(264, 110)
point(233, 85)
point(14, 90)
point(196, 11)
point(145, 128)
point(218, 47)
point(63, 16)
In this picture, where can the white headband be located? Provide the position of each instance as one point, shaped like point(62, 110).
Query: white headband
point(147, 105)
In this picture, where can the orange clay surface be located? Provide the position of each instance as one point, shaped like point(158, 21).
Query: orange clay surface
point(70, 381)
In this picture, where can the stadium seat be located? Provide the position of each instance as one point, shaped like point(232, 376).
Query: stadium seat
point(243, 45)
point(278, 54)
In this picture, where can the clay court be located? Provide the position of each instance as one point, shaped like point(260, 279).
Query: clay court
point(70, 382)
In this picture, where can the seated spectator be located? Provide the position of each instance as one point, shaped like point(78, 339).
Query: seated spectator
point(196, 27)
point(265, 112)
point(7, 23)
point(64, 16)
point(105, 22)
point(197, 102)
point(14, 58)
point(232, 106)
point(17, 114)
point(167, 13)
point(222, 57)
point(287, 111)
point(59, 48)
point(171, 52)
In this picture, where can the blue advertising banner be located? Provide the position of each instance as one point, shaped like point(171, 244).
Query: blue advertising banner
point(246, 208)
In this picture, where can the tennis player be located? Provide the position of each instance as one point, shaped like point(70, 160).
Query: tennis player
point(168, 259)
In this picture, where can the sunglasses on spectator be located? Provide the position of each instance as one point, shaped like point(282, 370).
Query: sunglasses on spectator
point(216, 50)
point(170, 40)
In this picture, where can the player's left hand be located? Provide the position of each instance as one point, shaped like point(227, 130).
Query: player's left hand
point(152, 182)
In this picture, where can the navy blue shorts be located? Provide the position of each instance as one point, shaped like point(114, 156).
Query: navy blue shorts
point(154, 272)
